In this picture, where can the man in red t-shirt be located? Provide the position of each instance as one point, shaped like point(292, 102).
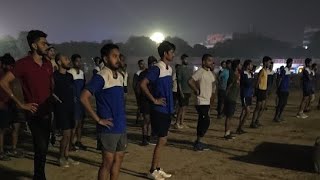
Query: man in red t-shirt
point(35, 74)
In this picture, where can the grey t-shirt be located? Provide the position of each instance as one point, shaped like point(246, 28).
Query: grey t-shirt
point(184, 73)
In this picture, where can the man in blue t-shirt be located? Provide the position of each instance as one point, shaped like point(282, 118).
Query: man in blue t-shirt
point(283, 90)
point(78, 83)
point(107, 87)
point(306, 87)
point(160, 78)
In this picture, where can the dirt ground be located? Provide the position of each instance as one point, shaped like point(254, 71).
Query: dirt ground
point(275, 151)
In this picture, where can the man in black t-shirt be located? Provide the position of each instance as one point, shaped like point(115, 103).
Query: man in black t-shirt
point(64, 109)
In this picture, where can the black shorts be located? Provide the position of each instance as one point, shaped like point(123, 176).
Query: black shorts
point(185, 100)
point(64, 120)
point(261, 95)
point(145, 106)
point(229, 108)
point(125, 88)
point(246, 101)
point(307, 92)
point(160, 123)
point(4, 119)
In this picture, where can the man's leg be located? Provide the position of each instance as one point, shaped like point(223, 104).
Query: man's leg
point(303, 104)
point(255, 113)
point(246, 113)
point(157, 153)
point(115, 171)
point(15, 135)
point(106, 165)
point(203, 121)
point(73, 133)
point(284, 103)
point(183, 113)
point(79, 130)
point(40, 130)
point(263, 104)
point(64, 143)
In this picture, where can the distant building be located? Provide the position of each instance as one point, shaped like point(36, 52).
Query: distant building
point(215, 38)
point(307, 35)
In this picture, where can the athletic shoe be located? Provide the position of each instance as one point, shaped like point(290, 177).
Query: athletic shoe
point(177, 126)
point(80, 146)
point(254, 126)
point(302, 116)
point(4, 157)
point(144, 143)
point(198, 147)
point(155, 175)
point(240, 131)
point(63, 163)
point(184, 126)
point(15, 153)
point(229, 137)
point(164, 174)
point(73, 148)
point(72, 162)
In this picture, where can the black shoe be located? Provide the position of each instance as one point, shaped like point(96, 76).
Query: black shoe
point(80, 146)
point(254, 126)
point(229, 137)
point(144, 143)
point(241, 131)
point(4, 157)
point(198, 147)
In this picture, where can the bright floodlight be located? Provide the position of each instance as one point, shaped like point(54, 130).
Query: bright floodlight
point(157, 37)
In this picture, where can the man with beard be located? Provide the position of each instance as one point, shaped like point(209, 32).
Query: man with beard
point(107, 87)
point(64, 110)
point(35, 74)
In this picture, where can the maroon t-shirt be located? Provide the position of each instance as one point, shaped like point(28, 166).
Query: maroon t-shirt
point(36, 80)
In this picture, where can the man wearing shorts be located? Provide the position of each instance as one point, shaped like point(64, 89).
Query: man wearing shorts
point(64, 109)
point(79, 83)
point(232, 95)
point(205, 79)
point(160, 77)
point(261, 92)
point(8, 114)
point(107, 87)
point(246, 93)
point(283, 88)
point(184, 73)
point(306, 88)
point(145, 104)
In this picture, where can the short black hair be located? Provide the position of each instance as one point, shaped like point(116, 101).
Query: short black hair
point(247, 63)
point(107, 48)
point(140, 61)
point(34, 35)
point(307, 61)
point(165, 46)
point(57, 58)
point(206, 56)
point(266, 59)
point(97, 58)
point(289, 60)
point(222, 62)
point(313, 65)
point(184, 56)
point(235, 64)
point(151, 60)
point(7, 59)
point(74, 57)
point(228, 61)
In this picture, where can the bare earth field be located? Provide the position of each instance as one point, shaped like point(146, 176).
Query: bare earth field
point(275, 151)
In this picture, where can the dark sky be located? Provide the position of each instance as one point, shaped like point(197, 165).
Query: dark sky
point(192, 20)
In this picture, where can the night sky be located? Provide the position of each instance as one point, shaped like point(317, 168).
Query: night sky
point(192, 20)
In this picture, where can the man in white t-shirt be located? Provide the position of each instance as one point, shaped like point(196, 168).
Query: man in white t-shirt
point(202, 85)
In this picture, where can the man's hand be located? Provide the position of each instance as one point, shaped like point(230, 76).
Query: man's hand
point(106, 122)
point(160, 101)
point(31, 107)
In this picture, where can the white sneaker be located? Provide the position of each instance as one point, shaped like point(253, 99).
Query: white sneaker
point(63, 163)
point(164, 174)
point(155, 175)
point(302, 116)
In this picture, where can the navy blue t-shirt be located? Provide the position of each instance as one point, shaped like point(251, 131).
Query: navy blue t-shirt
point(64, 89)
point(160, 77)
point(285, 80)
point(109, 95)
point(246, 84)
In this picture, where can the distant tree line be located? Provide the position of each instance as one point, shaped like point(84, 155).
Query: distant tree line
point(243, 45)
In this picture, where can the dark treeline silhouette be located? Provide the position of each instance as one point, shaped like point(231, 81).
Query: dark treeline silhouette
point(243, 45)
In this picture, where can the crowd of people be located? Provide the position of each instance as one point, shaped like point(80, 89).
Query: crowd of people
point(57, 95)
